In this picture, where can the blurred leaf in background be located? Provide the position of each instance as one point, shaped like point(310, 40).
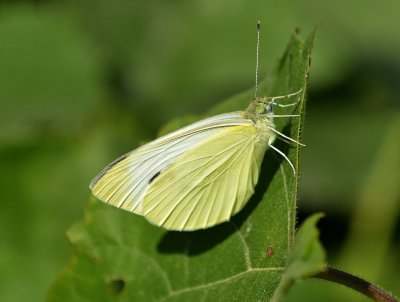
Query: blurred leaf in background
point(50, 83)
point(82, 82)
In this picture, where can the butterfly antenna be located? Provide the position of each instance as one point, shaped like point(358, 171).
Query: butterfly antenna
point(258, 46)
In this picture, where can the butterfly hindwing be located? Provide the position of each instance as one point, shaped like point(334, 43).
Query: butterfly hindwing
point(208, 184)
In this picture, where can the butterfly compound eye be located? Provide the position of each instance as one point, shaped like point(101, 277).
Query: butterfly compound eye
point(260, 108)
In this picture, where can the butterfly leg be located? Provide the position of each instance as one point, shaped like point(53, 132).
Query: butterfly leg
point(285, 136)
point(274, 98)
point(282, 154)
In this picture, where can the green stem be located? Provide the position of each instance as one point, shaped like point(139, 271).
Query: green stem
point(356, 283)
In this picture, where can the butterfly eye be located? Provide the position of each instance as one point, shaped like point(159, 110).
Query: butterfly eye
point(260, 108)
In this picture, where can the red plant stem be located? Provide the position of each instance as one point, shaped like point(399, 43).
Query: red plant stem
point(356, 283)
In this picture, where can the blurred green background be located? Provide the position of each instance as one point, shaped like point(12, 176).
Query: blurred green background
point(82, 82)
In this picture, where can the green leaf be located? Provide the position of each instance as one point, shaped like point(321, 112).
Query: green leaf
point(121, 256)
point(56, 83)
point(306, 258)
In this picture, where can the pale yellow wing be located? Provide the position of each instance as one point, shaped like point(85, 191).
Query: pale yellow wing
point(124, 182)
point(208, 184)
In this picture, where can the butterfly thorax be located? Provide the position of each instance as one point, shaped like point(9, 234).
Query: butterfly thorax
point(260, 112)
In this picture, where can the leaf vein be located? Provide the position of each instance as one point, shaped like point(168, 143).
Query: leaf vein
point(221, 281)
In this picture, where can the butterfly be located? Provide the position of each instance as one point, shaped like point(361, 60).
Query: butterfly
point(198, 176)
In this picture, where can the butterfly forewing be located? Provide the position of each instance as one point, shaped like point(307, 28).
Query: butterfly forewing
point(124, 182)
point(209, 183)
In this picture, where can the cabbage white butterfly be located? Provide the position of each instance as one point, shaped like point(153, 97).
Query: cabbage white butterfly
point(200, 175)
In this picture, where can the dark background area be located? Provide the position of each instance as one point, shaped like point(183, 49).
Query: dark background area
point(82, 82)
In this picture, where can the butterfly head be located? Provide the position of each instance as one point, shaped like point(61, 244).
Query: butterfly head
point(263, 106)
point(260, 107)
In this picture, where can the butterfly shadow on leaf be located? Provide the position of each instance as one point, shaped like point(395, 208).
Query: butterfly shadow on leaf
point(200, 241)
